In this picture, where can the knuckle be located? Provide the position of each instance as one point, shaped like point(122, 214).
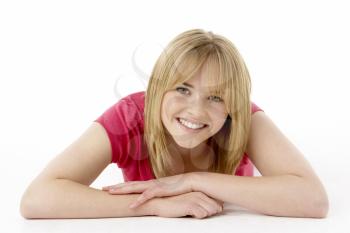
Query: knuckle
point(213, 211)
point(157, 188)
point(192, 206)
point(147, 194)
point(203, 214)
point(191, 211)
point(195, 210)
point(200, 195)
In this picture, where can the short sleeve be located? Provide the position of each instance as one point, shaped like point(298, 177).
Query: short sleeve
point(255, 108)
point(122, 124)
point(246, 167)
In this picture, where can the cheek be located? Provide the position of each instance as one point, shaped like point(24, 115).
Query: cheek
point(175, 100)
point(218, 115)
point(219, 112)
point(171, 104)
point(219, 122)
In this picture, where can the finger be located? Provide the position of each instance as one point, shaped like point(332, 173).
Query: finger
point(116, 185)
point(221, 203)
point(210, 205)
point(198, 212)
point(131, 188)
point(145, 196)
point(106, 188)
point(126, 189)
point(149, 194)
point(214, 201)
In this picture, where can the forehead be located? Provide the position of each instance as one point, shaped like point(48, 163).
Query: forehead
point(200, 80)
point(204, 74)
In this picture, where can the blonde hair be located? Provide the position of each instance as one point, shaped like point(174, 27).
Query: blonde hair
point(180, 61)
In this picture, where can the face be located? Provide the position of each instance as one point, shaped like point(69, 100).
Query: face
point(190, 114)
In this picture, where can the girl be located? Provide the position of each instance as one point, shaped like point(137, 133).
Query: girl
point(185, 147)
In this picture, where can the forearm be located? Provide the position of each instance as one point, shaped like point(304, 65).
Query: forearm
point(67, 199)
point(286, 195)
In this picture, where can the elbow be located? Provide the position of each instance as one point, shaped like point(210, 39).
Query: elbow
point(31, 204)
point(26, 208)
point(32, 209)
point(36, 201)
point(317, 200)
point(321, 208)
point(322, 204)
point(318, 206)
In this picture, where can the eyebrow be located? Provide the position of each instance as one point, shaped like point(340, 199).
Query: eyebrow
point(187, 84)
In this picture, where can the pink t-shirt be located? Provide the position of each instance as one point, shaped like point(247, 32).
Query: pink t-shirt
point(124, 124)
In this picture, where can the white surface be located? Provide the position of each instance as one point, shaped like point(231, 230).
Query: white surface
point(233, 218)
point(63, 63)
point(230, 220)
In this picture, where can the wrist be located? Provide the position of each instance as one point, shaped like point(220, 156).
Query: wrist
point(195, 180)
point(148, 208)
point(152, 206)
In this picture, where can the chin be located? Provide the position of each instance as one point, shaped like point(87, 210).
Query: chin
point(187, 144)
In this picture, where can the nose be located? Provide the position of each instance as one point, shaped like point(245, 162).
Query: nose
point(196, 107)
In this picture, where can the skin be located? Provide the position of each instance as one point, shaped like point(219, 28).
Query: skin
point(191, 150)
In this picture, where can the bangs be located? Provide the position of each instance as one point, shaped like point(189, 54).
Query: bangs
point(215, 79)
point(185, 67)
point(208, 63)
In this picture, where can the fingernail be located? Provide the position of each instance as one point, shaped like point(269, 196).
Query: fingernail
point(132, 205)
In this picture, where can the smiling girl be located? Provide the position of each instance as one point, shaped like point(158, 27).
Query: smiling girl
point(185, 146)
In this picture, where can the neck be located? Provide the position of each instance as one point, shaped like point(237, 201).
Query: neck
point(198, 158)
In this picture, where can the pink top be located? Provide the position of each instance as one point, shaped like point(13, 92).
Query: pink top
point(124, 124)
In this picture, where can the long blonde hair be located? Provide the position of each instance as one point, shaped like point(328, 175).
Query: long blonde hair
point(180, 61)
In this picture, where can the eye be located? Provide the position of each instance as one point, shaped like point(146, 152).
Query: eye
point(182, 90)
point(215, 98)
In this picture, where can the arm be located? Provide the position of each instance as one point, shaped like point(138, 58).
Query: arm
point(284, 195)
point(63, 198)
point(62, 189)
point(288, 186)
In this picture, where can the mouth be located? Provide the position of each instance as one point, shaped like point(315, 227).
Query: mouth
point(190, 127)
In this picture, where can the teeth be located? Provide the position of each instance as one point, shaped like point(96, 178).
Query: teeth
point(191, 125)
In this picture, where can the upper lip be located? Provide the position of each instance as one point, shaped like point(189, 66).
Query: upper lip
point(193, 120)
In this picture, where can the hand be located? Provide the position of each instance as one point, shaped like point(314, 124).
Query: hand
point(195, 204)
point(165, 186)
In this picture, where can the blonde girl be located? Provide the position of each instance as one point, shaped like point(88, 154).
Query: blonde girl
point(185, 146)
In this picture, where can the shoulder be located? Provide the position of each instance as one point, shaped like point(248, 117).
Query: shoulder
point(138, 98)
point(124, 115)
point(133, 104)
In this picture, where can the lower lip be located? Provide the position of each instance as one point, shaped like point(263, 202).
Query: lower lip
point(189, 129)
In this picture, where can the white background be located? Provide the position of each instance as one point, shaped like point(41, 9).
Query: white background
point(63, 63)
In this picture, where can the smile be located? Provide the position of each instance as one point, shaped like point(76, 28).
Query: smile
point(189, 125)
